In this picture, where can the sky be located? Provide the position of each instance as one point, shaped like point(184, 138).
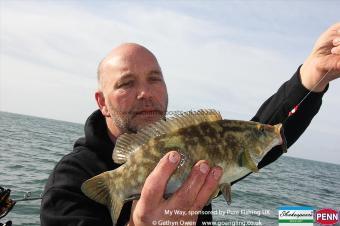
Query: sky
point(226, 55)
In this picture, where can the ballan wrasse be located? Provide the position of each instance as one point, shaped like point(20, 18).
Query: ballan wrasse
point(236, 146)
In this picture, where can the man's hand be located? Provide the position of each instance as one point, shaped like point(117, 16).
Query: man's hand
point(194, 193)
point(324, 57)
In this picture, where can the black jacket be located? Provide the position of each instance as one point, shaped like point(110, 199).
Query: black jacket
point(63, 202)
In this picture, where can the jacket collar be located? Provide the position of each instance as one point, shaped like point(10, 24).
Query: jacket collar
point(96, 134)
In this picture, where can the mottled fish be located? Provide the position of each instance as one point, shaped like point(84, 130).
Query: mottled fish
point(236, 146)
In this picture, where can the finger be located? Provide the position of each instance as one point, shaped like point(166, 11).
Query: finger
point(329, 35)
point(332, 62)
point(335, 50)
point(208, 189)
point(133, 207)
point(336, 26)
point(155, 183)
point(336, 41)
point(186, 195)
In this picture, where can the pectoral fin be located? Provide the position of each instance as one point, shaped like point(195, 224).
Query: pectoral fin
point(226, 191)
point(248, 162)
point(132, 197)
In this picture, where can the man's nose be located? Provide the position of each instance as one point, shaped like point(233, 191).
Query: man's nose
point(144, 92)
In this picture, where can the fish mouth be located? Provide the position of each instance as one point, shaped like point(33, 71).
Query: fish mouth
point(280, 130)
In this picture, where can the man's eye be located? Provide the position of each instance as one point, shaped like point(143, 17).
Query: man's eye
point(125, 84)
point(155, 79)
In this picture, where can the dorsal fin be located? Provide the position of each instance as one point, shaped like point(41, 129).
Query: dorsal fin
point(128, 143)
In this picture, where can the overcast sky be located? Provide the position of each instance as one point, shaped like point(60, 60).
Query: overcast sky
point(227, 55)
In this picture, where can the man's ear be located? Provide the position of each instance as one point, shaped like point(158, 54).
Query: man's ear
point(101, 103)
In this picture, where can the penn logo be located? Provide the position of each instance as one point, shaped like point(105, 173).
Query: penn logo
point(327, 216)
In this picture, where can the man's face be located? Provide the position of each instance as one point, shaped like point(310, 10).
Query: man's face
point(134, 90)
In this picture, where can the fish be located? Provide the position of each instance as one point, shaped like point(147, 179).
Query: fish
point(234, 145)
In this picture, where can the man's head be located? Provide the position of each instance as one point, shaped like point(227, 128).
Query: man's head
point(132, 92)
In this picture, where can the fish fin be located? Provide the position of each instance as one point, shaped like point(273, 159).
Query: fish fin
point(248, 162)
point(128, 143)
point(132, 197)
point(215, 194)
point(226, 192)
point(115, 208)
point(280, 130)
point(98, 189)
point(125, 145)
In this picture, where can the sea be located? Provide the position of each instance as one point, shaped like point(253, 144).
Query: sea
point(30, 147)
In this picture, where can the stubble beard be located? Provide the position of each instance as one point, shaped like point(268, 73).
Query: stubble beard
point(123, 120)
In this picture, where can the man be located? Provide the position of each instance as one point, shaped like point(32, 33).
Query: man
point(132, 93)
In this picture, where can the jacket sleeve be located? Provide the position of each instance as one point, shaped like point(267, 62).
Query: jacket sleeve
point(276, 108)
point(63, 202)
point(65, 207)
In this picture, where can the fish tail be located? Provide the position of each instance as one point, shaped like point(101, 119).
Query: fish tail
point(99, 189)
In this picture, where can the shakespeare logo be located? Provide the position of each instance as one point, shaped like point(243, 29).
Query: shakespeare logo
point(296, 215)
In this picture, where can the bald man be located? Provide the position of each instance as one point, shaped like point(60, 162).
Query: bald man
point(132, 94)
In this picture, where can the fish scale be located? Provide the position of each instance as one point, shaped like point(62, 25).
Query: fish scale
point(236, 146)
